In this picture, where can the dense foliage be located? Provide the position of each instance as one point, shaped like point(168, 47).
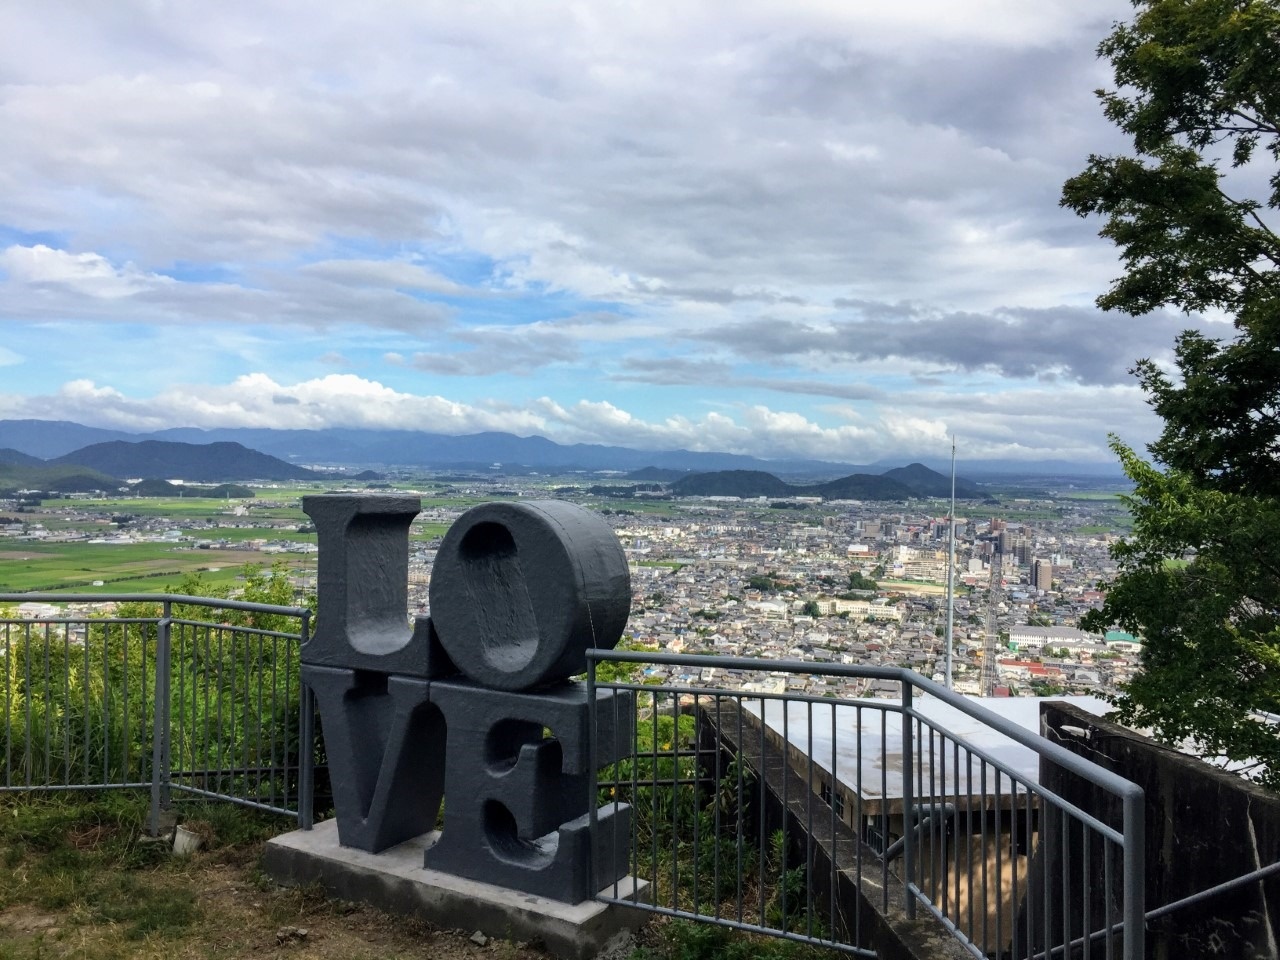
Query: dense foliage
point(1199, 97)
point(80, 707)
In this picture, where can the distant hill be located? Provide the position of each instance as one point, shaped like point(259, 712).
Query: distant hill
point(163, 488)
point(54, 479)
point(363, 447)
point(16, 458)
point(82, 481)
point(857, 486)
point(930, 483)
point(190, 461)
point(53, 438)
point(657, 474)
point(369, 448)
point(227, 491)
point(733, 483)
point(412, 447)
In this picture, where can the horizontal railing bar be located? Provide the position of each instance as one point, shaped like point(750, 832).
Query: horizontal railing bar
point(1098, 775)
point(923, 899)
point(711, 694)
point(213, 795)
point(742, 925)
point(1017, 780)
point(236, 628)
point(1226, 886)
point(153, 598)
point(19, 621)
point(230, 771)
point(26, 787)
point(745, 663)
point(98, 621)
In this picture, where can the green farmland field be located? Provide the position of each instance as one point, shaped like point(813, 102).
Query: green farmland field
point(237, 534)
point(122, 568)
point(151, 507)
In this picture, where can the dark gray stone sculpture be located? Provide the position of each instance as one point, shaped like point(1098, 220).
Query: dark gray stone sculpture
point(519, 593)
point(383, 737)
point(518, 813)
point(363, 588)
point(369, 672)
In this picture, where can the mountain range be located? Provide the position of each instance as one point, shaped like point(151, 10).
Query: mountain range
point(901, 483)
point(96, 466)
point(100, 466)
point(49, 439)
point(190, 461)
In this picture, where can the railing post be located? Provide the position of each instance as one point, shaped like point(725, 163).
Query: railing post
point(1135, 849)
point(306, 740)
point(160, 758)
point(593, 748)
point(908, 800)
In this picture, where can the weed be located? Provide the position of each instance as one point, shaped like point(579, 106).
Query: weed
point(145, 906)
point(684, 940)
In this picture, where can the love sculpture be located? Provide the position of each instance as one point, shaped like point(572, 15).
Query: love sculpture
point(472, 707)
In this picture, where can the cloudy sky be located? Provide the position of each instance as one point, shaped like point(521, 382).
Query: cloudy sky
point(780, 227)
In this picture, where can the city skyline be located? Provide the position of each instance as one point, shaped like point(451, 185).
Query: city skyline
point(814, 230)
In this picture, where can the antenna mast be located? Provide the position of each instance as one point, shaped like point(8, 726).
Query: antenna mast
point(951, 563)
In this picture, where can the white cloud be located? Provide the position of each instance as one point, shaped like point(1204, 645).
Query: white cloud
point(45, 283)
point(80, 274)
point(393, 274)
point(592, 196)
point(255, 400)
point(1040, 424)
point(598, 151)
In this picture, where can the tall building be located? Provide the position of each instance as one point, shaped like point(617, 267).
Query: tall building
point(1042, 574)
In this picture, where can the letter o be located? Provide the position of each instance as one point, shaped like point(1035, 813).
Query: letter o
point(521, 590)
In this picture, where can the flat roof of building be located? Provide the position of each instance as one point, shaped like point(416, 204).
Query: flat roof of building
point(853, 737)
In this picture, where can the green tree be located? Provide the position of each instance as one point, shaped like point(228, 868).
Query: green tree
point(859, 582)
point(1199, 579)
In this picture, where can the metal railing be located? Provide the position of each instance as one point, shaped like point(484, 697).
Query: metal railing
point(788, 813)
point(165, 692)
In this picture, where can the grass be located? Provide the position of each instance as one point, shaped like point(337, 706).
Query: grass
point(148, 507)
point(28, 566)
point(80, 879)
point(428, 531)
point(238, 534)
point(1092, 529)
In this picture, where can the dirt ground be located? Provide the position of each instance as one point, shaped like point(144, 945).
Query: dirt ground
point(231, 911)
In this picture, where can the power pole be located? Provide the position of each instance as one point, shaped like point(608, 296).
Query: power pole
point(951, 565)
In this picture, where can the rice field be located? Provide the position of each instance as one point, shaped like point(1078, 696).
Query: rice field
point(122, 568)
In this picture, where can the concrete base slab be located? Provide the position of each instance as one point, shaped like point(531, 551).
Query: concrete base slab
point(396, 881)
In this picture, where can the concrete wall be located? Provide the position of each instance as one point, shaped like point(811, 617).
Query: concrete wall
point(1203, 827)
